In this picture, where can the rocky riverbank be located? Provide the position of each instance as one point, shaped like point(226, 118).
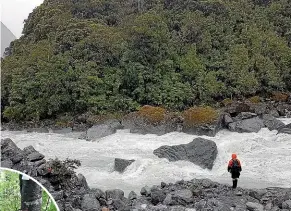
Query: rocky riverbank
point(236, 116)
point(73, 194)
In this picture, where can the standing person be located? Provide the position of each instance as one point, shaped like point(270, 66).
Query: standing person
point(234, 167)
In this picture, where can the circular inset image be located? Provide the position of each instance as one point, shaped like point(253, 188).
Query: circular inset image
point(20, 192)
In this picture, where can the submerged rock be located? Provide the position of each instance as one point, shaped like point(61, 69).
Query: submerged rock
point(200, 151)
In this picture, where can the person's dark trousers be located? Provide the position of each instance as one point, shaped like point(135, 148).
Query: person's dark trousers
point(235, 176)
point(234, 183)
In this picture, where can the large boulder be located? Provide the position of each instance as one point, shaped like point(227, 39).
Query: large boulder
point(180, 197)
point(202, 121)
point(114, 194)
point(157, 196)
point(272, 123)
point(286, 129)
point(200, 151)
point(35, 156)
point(244, 115)
point(227, 119)
point(101, 130)
point(121, 164)
point(286, 205)
point(252, 206)
point(9, 151)
point(90, 203)
point(284, 109)
point(237, 107)
point(152, 120)
point(247, 125)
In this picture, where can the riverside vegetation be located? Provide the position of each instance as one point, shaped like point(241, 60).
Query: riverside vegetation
point(113, 56)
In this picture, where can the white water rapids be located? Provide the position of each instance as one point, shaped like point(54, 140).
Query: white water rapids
point(265, 157)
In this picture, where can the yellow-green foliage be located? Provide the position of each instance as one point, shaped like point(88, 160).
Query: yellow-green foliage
point(279, 97)
point(226, 102)
point(64, 121)
point(254, 99)
point(152, 114)
point(197, 116)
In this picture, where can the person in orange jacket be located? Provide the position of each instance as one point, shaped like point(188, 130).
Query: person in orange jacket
point(234, 167)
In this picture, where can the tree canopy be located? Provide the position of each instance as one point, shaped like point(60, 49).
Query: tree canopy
point(111, 55)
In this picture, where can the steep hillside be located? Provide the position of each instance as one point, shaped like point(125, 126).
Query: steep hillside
point(105, 56)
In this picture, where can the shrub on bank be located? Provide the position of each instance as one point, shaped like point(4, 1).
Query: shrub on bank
point(254, 99)
point(279, 97)
point(197, 116)
point(226, 102)
point(152, 114)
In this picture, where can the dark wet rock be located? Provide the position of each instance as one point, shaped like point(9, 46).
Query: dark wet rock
point(57, 195)
point(157, 196)
point(114, 194)
point(69, 207)
point(117, 204)
point(98, 193)
point(200, 151)
point(39, 162)
point(163, 184)
point(227, 120)
point(6, 164)
point(132, 195)
point(260, 108)
point(35, 156)
point(286, 129)
point(286, 205)
point(121, 164)
point(283, 109)
point(252, 206)
point(247, 125)
point(9, 151)
point(182, 197)
point(28, 150)
point(90, 203)
point(82, 182)
point(274, 113)
point(43, 169)
point(101, 130)
point(272, 123)
point(257, 194)
point(244, 115)
point(145, 191)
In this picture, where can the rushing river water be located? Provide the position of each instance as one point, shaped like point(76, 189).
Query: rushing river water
point(265, 157)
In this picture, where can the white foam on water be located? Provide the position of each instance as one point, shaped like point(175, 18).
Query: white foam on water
point(265, 157)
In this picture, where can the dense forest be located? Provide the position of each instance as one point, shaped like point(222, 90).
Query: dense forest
point(106, 56)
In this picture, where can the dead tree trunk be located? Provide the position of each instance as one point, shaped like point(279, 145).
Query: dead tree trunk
point(31, 194)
